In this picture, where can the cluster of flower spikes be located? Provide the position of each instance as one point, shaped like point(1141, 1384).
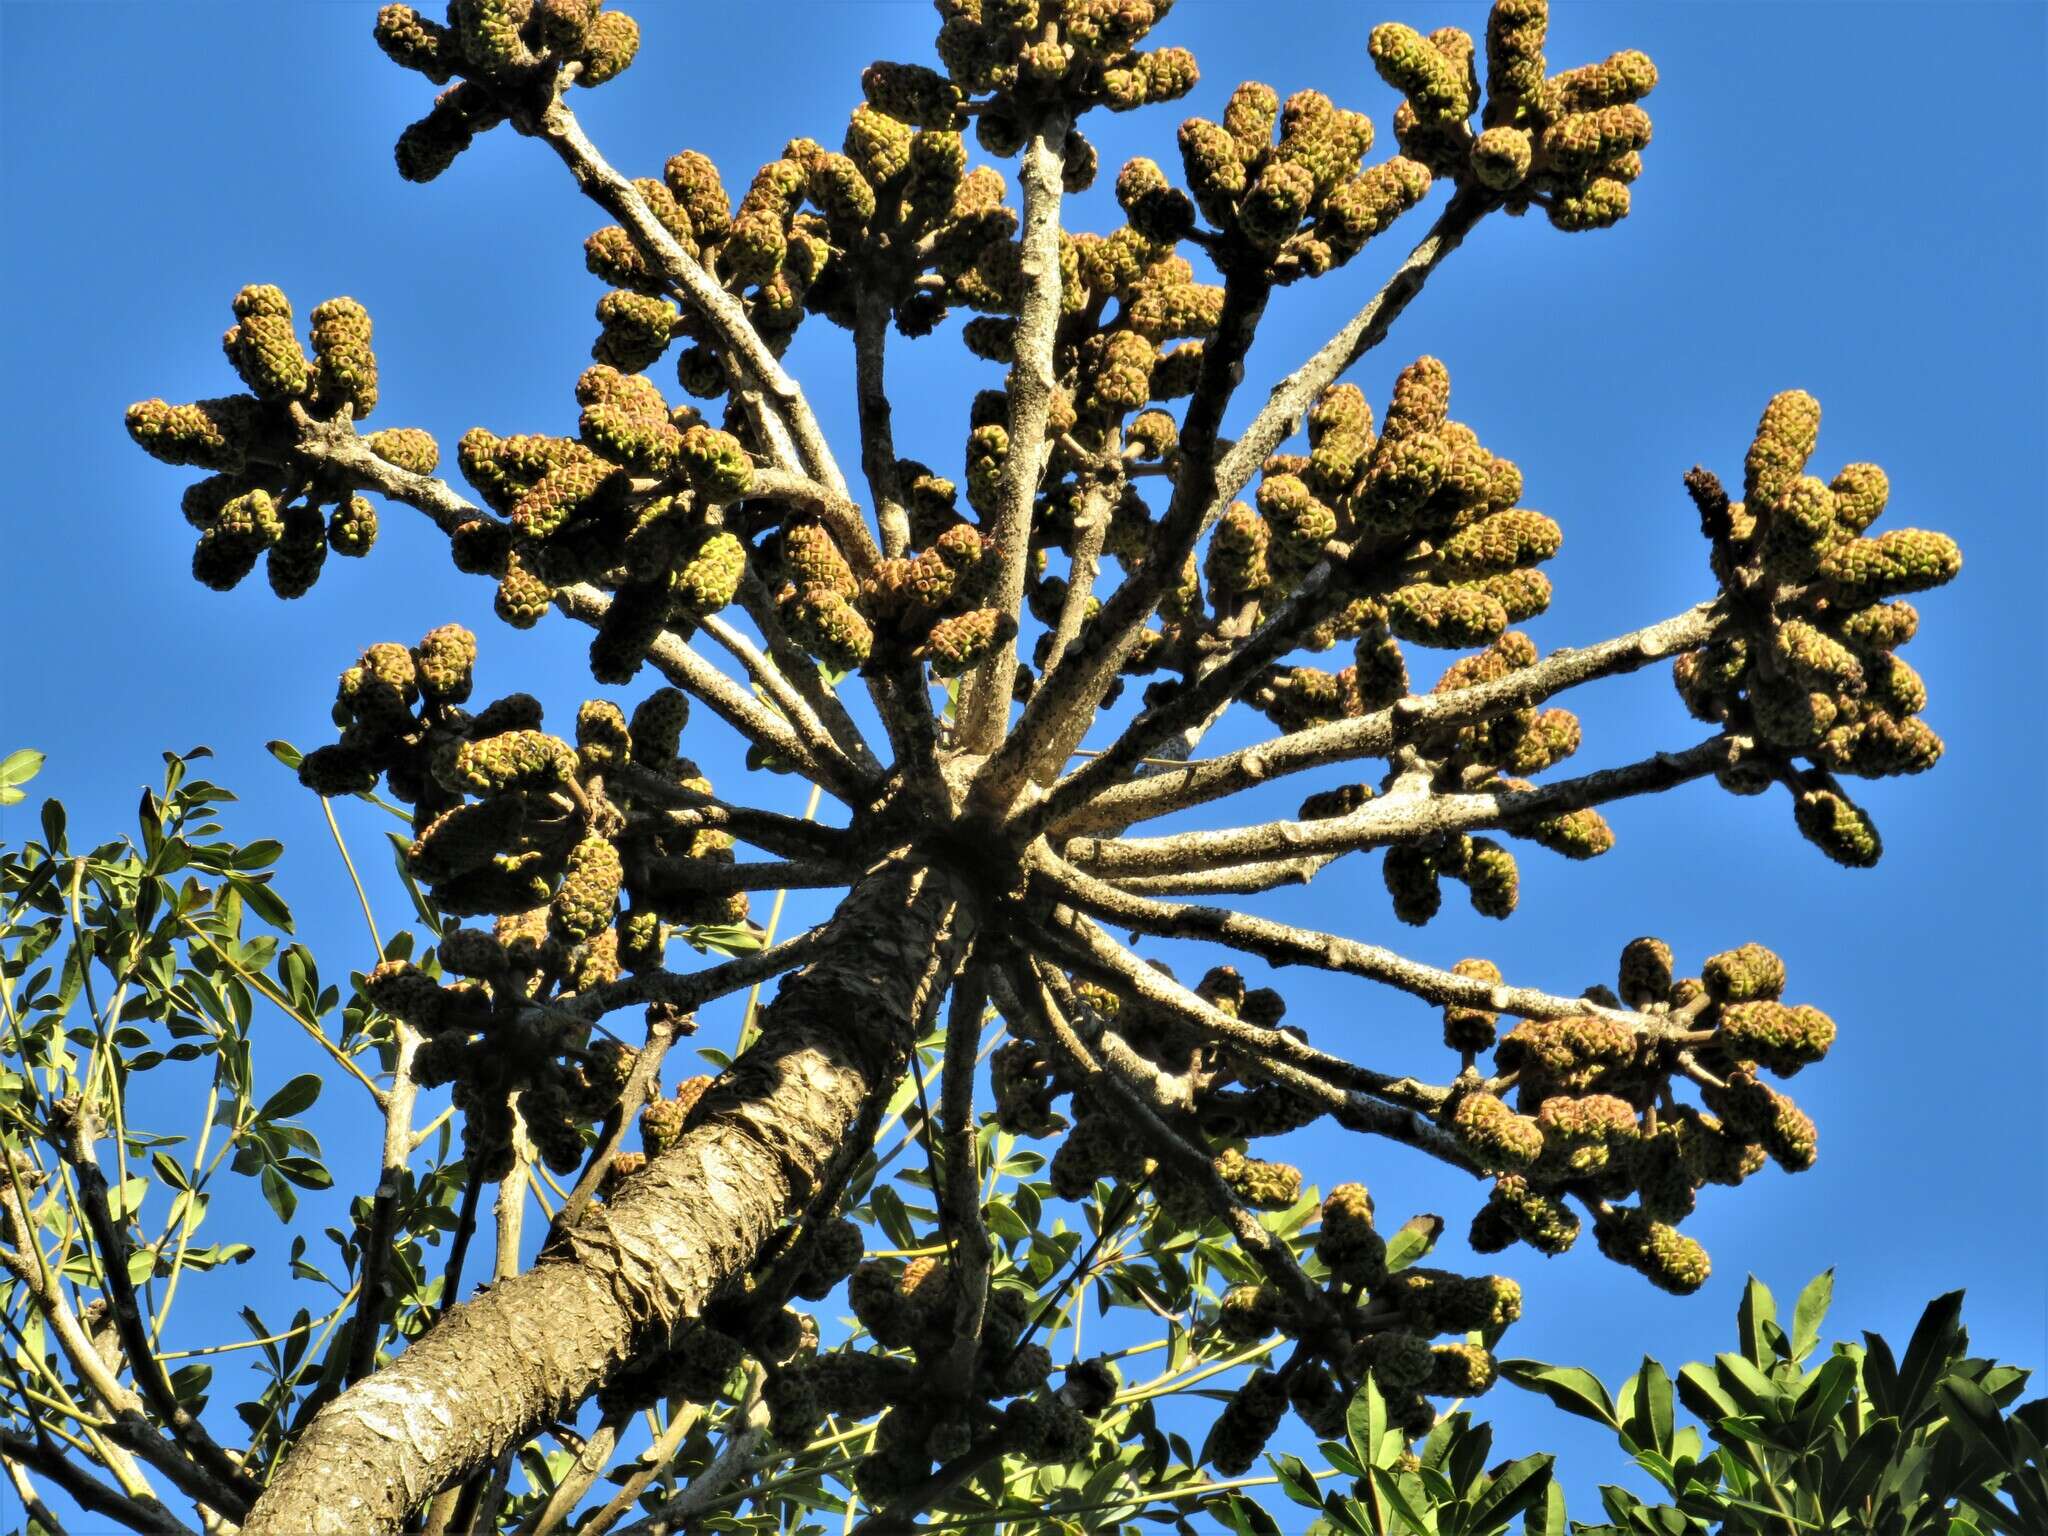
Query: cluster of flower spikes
point(258, 502)
point(1370, 1320)
point(1437, 553)
point(928, 605)
point(1594, 1117)
point(909, 1310)
point(636, 502)
point(1013, 64)
point(1569, 143)
point(504, 56)
point(1808, 665)
point(1387, 1325)
point(1290, 207)
point(542, 835)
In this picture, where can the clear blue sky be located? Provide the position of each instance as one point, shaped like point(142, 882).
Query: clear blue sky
point(1845, 198)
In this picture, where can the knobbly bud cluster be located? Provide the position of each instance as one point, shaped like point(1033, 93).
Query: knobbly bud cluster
point(1387, 1317)
point(1583, 1109)
point(1014, 66)
point(260, 502)
point(1807, 670)
point(505, 56)
point(584, 877)
point(1570, 143)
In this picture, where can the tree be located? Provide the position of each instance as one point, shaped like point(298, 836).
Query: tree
point(976, 871)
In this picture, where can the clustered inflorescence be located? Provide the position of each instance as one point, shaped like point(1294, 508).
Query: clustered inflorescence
point(509, 55)
point(257, 502)
point(583, 875)
point(1808, 666)
point(1365, 1318)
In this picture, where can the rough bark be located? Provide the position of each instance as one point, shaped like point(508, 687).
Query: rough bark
point(771, 1132)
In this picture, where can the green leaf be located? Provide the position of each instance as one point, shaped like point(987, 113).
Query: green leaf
point(16, 769)
point(1365, 1421)
point(1519, 1486)
point(1389, 1488)
point(1295, 1480)
point(285, 753)
point(1934, 1344)
point(1569, 1387)
point(1755, 1318)
point(1971, 1408)
point(293, 1098)
point(1809, 1311)
point(1412, 1243)
point(168, 1170)
point(1649, 1411)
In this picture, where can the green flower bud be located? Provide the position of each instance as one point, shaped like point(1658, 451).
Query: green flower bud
point(207, 434)
point(1838, 827)
point(1542, 1221)
point(1501, 157)
point(609, 47)
point(1502, 542)
point(1263, 1185)
point(1413, 65)
point(345, 369)
point(413, 42)
point(444, 662)
point(1860, 571)
point(590, 891)
point(657, 727)
point(1785, 438)
point(1669, 1259)
point(1399, 1361)
point(959, 643)
point(1646, 971)
point(522, 596)
point(1461, 1370)
point(465, 837)
point(1411, 879)
point(1247, 1422)
point(1498, 1137)
point(1446, 617)
point(520, 760)
point(637, 330)
point(710, 577)
point(1780, 1038)
point(1470, 1030)
point(1744, 975)
point(826, 624)
point(1758, 1113)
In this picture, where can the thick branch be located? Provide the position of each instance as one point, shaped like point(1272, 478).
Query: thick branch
point(985, 705)
point(533, 1347)
point(1377, 734)
point(877, 425)
point(959, 1193)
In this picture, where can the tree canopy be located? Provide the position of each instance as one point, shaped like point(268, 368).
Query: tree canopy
point(930, 646)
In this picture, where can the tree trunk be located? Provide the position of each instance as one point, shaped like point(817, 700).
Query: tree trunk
point(532, 1348)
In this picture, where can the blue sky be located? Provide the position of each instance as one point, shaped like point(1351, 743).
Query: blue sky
point(1843, 198)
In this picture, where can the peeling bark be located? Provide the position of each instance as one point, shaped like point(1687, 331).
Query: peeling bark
point(773, 1129)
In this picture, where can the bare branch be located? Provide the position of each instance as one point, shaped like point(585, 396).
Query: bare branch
point(959, 1192)
point(1283, 944)
point(1395, 819)
point(87, 1491)
point(694, 989)
point(985, 704)
point(781, 688)
point(1377, 734)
